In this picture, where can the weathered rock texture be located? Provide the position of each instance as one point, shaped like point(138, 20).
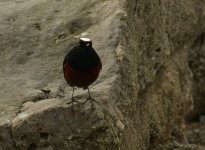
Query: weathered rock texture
point(197, 65)
point(144, 89)
point(160, 33)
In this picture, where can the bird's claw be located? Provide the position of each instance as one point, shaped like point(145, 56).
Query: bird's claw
point(90, 99)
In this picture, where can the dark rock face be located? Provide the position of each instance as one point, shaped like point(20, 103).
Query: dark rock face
point(144, 90)
point(159, 36)
point(197, 65)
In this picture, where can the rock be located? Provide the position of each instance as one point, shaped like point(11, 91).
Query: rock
point(6, 141)
point(52, 124)
point(177, 146)
point(26, 106)
point(202, 119)
point(120, 125)
point(195, 133)
point(197, 65)
point(145, 84)
point(33, 95)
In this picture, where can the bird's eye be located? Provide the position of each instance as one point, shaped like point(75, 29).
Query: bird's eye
point(87, 44)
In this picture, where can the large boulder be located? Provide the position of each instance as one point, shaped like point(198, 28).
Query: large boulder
point(143, 92)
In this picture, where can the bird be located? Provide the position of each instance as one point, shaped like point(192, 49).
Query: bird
point(81, 67)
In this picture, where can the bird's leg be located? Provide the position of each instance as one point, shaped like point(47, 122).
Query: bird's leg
point(72, 100)
point(89, 97)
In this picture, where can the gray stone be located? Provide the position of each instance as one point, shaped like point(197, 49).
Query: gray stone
point(144, 90)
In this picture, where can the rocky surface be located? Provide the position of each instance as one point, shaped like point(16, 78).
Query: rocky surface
point(143, 92)
point(197, 65)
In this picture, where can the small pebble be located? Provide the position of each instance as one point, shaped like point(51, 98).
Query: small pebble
point(202, 118)
point(120, 125)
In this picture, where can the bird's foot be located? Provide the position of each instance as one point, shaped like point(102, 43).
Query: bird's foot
point(71, 102)
point(90, 99)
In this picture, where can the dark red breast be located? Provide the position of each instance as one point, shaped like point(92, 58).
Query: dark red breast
point(81, 65)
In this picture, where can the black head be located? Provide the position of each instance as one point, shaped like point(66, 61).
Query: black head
point(85, 42)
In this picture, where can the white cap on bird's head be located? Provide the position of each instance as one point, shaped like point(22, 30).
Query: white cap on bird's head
point(85, 39)
point(85, 42)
